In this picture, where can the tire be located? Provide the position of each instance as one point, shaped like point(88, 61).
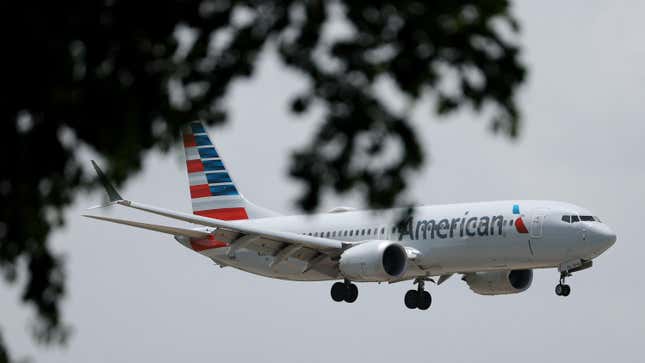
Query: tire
point(338, 291)
point(558, 289)
point(566, 290)
point(411, 298)
point(352, 293)
point(425, 300)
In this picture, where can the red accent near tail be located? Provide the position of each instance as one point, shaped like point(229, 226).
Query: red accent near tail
point(195, 165)
point(189, 140)
point(200, 191)
point(206, 243)
point(226, 214)
point(519, 225)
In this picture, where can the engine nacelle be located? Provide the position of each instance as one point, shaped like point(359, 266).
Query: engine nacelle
point(499, 282)
point(374, 261)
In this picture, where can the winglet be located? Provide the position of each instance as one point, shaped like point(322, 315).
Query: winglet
point(113, 195)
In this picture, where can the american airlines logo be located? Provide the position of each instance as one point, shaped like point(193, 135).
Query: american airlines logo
point(469, 226)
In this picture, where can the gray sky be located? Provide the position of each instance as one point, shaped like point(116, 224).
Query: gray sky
point(138, 296)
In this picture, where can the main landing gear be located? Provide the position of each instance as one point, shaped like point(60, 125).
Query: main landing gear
point(344, 291)
point(419, 298)
point(563, 289)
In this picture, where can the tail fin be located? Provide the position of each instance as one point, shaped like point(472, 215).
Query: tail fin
point(212, 190)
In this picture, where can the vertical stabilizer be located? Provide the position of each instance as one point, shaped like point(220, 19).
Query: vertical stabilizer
point(212, 190)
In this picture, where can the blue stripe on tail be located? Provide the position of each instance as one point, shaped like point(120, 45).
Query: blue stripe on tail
point(218, 190)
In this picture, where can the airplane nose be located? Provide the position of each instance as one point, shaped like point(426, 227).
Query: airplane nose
point(604, 237)
point(611, 237)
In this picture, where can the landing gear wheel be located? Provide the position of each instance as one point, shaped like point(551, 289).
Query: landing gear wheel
point(562, 290)
point(338, 291)
point(566, 290)
point(424, 300)
point(411, 298)
point(352, 293)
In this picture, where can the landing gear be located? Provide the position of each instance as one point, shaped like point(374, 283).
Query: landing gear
point(419, 298)
point(563, 289)
point(344, 291)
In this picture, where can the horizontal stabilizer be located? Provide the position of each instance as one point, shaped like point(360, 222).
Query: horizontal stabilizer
point(176, 231)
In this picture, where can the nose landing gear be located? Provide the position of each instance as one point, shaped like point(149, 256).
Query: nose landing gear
point(419, 298)
point(344, 291)
point(563, 289)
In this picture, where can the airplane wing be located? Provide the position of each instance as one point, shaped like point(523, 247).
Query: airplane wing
point(317, 254)
point(236, 234)
point(329, 246)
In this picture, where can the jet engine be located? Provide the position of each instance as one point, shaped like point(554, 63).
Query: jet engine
point(499, 282)
point(374, 261)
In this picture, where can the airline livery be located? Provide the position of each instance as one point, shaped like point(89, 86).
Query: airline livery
point(495, 246)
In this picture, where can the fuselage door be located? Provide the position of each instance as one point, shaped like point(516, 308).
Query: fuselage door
point(536, 226)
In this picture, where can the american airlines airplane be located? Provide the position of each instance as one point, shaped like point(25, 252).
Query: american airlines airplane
point(495, 246)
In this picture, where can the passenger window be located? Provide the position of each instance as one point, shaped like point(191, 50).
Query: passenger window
point(566, 219)
point(333, 234)
point(575, 219)
point(393, 230)
point(351, 233)
point(383, 230)
point(510, 223)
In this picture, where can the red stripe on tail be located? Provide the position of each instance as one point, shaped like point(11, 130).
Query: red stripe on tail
point(194, 165)
point(189, 140)
point(200, 191)
point(226, 214)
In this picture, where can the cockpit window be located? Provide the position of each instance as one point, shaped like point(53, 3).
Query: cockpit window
point(574, 219)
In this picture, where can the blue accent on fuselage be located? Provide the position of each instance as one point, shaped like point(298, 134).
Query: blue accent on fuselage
point(516, 209)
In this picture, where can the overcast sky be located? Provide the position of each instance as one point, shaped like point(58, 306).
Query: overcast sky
point(137, 296)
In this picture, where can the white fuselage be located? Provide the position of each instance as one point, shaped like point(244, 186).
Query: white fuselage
point(445, 239)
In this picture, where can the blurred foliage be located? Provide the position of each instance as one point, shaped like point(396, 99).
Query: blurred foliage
point(121, 77)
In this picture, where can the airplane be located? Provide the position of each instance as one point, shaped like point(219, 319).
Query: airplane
point(494, 246)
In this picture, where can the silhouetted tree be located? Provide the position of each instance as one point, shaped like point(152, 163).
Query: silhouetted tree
point(122, 77)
